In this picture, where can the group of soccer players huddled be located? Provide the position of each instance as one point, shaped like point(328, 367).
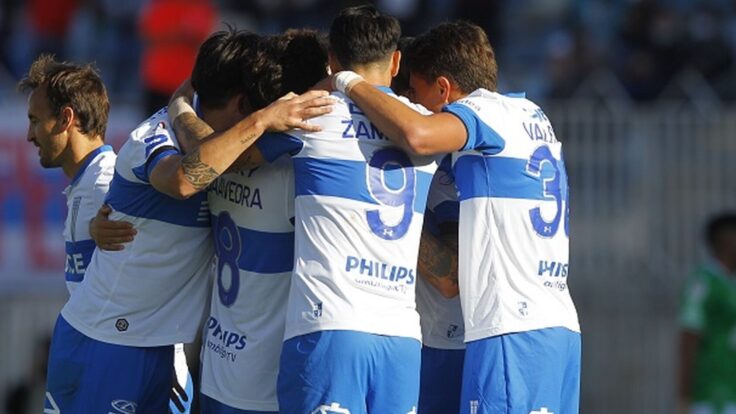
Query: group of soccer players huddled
point(339, 245)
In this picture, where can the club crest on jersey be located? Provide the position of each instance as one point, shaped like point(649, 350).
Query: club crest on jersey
point(121, 325)
point(124, 407)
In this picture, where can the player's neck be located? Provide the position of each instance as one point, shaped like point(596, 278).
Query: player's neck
point(375, 74)
point(80, 148)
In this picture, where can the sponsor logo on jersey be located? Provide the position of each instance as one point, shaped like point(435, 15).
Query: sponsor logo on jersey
point(378, 270)
point(226, 338)
point(542, 410)
point(222, 342)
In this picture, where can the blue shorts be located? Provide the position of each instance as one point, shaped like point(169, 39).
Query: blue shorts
point(347, 371)
point(189, 392)
point(209, 405)
point(522, 373)
point(442, 374)
point(89, 376)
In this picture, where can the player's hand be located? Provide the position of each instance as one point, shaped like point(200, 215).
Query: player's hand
point(181, 101)
point(292, 111)
point(109, 234)
point(178, 395)
point(185, 91)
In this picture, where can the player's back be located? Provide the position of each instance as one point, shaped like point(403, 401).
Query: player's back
point(153, 292)
point(85, 194)
point(513, 235)
point(359, 210)
point(252, 213)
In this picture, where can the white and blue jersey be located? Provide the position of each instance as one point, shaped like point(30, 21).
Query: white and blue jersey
point(155, 291)
point(441, 318)
point(84, 197)
point(359, 209)
point(513, 230)
point(252, 222)
point(443, 348)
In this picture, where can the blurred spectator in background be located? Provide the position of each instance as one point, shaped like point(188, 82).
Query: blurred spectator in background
point(172, 31)
point(708, 319)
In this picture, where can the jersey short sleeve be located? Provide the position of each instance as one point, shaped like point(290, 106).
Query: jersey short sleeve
point(274, 145)
point(481, 137)
point(151, 143)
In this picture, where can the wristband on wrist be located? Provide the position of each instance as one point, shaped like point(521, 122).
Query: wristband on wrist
point(345, 80)
point(179, 106)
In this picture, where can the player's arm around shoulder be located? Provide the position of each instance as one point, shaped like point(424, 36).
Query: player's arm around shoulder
point(417, 133)
point(181, 176)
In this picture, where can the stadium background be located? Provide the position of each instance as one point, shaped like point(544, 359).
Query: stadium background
point(640, 92)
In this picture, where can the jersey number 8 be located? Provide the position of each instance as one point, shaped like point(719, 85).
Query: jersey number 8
point(227, 248)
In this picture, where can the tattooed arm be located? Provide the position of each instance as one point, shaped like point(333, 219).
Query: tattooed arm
point(191, 131)
point(181, 176)
point(438, 260)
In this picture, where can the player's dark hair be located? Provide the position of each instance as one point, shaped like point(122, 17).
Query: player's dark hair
point(76, 86)
point(400, 82)
point(719, 226)
point(231, 62)
point(459, 51)
point(361, 35)
point(302, 57)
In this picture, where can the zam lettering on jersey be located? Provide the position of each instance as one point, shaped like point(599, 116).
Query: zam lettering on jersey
point(360, 128)
point(236, 192)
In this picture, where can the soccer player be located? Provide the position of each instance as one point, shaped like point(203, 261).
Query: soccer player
point(352, 330)
point(708, 319)
point(113, 342)
point(67, 114)
point(75, 142)
point(437, 298)
point(252, 221)
point(438, 302)
point(521, 328)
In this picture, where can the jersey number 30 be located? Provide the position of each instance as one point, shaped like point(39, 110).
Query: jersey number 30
point(552, 190)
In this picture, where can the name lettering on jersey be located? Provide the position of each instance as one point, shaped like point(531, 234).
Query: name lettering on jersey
point(75, 264)
point(356, 128)
point(540, 131)
point(237, 193)
point(222, 341)
point(470, 103)
point(399, 277)
point(539, 128)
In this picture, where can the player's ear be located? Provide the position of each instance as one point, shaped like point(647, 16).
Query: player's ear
point(66, 118)
point(395, 63)
point(444, 87)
